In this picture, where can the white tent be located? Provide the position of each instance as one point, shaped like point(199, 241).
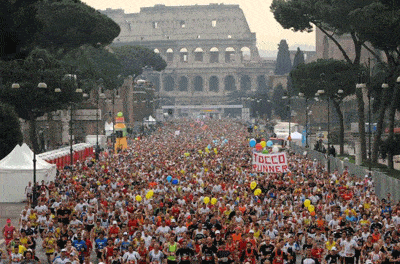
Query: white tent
point(16, 171)
point(152, 119)
point(296, 136)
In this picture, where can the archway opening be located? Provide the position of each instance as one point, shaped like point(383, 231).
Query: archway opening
point(170, 55)
point(198, 54)
point(198, 84)
point(245, 83)
point(245, 54)
point(184, 55)
point(229, 54)
point(183, 84)
point(214, 55)
point(230, 84)
point(214, 84)
point(261, 83)
point(169, 84)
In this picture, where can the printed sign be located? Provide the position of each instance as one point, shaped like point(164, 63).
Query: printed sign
point(275, 162)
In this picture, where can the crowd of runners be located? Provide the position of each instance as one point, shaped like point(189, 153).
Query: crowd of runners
point(183, 195)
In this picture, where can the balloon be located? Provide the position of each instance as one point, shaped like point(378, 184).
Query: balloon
point(275, 149)
point(263, 144)
point(148, 197)
point(263, 139)
point(257, 192)
point(169, 178)
point(187, 154)
point(307, 203)
point(311, 208)
point(120, 114)
point(207, 150)
point(258, 146)
point(265, 151)
point(312, 213)
point(213, 201)
point(206, 200)
point(269, 143)
point(253, 185)
point(138, 198)
point(175, 181)
point(150, 193)
point(252, 142)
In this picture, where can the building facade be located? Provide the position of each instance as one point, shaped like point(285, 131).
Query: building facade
point(209, 49)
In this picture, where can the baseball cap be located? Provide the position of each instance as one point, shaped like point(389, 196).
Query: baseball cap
point(125, 233)
point(217, 232)
point(333, 248)
point(63, 250)
point(251, 231)
point(115, 222)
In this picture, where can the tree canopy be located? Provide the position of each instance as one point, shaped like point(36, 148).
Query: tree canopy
point(298, 58)
point(18, 28)
point(51, 24)
point(283, 62)
point(135, 58)
point(69, 24)
point(329, 75)
point(280, 106)
point(10, 132)
point(29, 100)
point(90, 64)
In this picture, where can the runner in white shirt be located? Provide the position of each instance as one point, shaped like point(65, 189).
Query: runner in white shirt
point(131, 255)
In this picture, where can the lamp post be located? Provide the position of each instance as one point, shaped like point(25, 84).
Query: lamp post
point(71, 151)
point(99, 95)
point(41, 86)
point(290, 117)
point(301, 95)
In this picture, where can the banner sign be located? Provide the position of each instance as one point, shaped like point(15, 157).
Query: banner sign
point(274, 162)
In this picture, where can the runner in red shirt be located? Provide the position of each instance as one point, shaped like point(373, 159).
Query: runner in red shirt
point(8, 231)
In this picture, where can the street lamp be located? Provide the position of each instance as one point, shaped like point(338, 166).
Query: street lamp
point(301, 95)
point(41, 86)
point(290, 117)
point(71, 151)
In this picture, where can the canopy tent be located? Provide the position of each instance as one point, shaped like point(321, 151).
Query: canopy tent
point(16, 170)
point(152, 119)
point(296, 136)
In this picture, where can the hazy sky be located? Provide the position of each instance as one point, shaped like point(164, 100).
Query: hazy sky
point(260, 19)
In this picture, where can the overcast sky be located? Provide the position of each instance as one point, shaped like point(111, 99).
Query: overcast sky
point(260, 19)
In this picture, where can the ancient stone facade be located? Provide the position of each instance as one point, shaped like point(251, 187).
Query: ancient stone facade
point(209, 49)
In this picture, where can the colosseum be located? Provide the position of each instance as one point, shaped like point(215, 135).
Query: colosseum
point(209, 49)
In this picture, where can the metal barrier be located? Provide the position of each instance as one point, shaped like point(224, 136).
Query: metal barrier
point(383, 184)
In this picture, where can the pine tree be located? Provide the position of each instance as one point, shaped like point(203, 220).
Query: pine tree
point(283, 63)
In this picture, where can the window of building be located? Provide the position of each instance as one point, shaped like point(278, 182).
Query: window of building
point(155, 24)
point(183, 25)
point(214, 23)
point(229, 36)
point(198, 36)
